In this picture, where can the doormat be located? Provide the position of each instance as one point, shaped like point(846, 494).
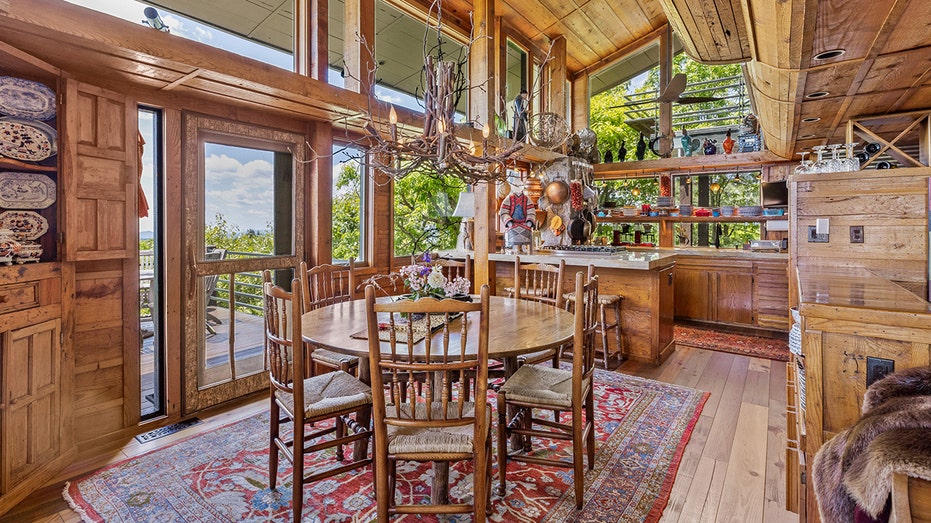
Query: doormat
point(167, 430)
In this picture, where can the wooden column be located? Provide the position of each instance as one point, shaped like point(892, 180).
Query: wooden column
point(319, 211)
point(556, 78)
point(482, 63)
point(665, 109)
point(311, 28)
point(581, 106)
point(359, 44)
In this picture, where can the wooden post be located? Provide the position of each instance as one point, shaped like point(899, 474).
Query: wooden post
point(665, 109)
point(482, 63)
point(556, 78)
point(319, 210)
point(581, 106)
point(359, 45)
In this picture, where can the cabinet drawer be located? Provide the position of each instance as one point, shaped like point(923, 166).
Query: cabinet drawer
point(19, 296)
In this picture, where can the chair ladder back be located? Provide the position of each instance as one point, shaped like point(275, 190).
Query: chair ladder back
point(282, 327)
point(327, 284)
point(586, 323)
point(539, 281)
point(453, 269)
point(440, 359)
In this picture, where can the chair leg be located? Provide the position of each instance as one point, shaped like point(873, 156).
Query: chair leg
point(297, 470)
point(578, 474)
point(340, 433)
point(392, 481)
point(502, 444)
point(382, 480)
point(617, 332)
point(481, 487)
point(273, 433)
point(603, 329)
point(528, 425)
point(590, 420)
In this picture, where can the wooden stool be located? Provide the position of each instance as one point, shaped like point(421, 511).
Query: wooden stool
point(604, 301)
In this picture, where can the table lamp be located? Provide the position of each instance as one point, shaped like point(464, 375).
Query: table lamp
point(465, 209)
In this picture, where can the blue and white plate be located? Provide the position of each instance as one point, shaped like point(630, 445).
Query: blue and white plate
point(26, 99)
point(27, 140)
point(26, 190)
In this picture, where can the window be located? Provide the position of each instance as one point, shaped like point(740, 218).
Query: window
point(151, 341)
point(263, 33)
point(247, 201)
point(349, 183)
point(423, 208)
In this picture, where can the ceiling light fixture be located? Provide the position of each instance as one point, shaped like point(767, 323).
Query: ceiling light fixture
point(807, 136)
point(811, 120)
point(817, 94)
point(827, 55)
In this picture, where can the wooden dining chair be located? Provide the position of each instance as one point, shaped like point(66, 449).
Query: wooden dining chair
point(441, 425)
point(324, 285)
point(306, 401)
point(391, 284)
point(605, 302)
point(539, 387)
point(544, 283)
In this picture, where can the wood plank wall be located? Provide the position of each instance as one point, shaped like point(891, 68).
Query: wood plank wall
point(892, 207)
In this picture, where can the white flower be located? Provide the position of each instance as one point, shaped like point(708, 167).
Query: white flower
point(436, 280)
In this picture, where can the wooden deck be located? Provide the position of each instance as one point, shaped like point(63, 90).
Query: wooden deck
point(733, 469)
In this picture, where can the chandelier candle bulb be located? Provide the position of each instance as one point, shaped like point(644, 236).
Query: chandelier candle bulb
point(486, 131)
point(393, 121)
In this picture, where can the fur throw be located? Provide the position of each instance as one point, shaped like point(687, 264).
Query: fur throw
point(893, 435)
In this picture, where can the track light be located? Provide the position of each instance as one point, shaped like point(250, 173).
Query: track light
point(153, 20)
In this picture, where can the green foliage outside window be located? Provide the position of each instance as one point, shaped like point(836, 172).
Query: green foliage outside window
point(423, 205)
point(347, 213)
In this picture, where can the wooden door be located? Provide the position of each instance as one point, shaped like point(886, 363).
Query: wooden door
point(223, 351)
point(692, 293)
point(31, 400)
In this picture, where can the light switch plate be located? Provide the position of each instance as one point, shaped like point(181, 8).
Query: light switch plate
point(856, 234)
point(814, 237)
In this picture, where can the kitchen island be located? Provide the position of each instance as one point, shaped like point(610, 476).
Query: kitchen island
point(724, 287)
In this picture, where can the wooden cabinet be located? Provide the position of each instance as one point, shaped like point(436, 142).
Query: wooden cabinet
point(733, 291)
point(35, 418)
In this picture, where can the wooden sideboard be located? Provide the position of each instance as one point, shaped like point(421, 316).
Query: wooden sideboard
point(847, 316)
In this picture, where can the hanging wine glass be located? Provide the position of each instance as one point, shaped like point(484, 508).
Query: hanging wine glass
point(834, 164)
point(804, 167)
point(851, 161)
point(820, 165)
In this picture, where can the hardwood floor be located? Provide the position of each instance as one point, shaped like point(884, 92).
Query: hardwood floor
point(733, 469)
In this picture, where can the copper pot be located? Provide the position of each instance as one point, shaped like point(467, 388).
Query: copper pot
point(557, 192)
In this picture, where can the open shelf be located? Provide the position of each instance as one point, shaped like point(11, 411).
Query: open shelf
point(688, 219)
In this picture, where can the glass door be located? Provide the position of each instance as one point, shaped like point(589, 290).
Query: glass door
point(241, 210)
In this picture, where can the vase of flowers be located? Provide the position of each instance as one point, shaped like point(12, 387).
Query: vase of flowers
point(424, 280)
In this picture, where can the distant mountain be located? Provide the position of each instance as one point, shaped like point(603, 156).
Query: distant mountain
point(146, 235)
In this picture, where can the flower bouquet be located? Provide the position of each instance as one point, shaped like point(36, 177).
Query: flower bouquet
point(424, 280)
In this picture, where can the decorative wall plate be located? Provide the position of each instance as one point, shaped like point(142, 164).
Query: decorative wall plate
point(25, 225)
point(26, 99)
point(26, 190)
point(27, 140)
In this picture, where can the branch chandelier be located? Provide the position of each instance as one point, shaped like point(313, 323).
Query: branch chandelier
point(437, 149)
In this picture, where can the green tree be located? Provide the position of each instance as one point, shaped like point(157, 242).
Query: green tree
point(423, 205)
point(347, 211)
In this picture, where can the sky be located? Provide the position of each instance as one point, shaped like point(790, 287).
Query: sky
point(235, 178)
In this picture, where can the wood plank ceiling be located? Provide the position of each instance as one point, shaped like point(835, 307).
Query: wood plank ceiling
point(885, 66)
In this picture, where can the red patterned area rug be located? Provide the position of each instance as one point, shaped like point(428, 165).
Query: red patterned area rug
point(222, 475)
point(757, 346)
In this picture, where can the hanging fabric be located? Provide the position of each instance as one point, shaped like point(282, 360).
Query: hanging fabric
point(143, 203)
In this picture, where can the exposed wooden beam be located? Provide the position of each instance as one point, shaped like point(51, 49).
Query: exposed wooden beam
point(193, 74)
point(555, 88)
point(359, 45)
point(581, 103)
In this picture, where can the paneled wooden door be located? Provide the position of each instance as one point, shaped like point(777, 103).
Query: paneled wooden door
point(241, 216)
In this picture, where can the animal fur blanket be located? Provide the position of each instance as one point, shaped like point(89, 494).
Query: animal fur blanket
point(893, 435)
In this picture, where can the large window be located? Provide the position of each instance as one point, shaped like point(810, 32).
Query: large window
point(262, 33)
point(349, 183)
point(423, 207)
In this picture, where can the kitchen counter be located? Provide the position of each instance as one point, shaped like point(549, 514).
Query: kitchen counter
point(641, 258)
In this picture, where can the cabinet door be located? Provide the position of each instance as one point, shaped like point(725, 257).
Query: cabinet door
point(733, 297)
point(31, 420)
point(99, 174)
point(692, 294)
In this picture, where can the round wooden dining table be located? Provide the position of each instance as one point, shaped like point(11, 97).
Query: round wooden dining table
point(515, 327)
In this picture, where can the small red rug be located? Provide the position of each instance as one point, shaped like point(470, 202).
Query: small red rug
point(642, 428)
point(757, 346)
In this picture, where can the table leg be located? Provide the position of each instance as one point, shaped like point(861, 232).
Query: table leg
point(361, 447)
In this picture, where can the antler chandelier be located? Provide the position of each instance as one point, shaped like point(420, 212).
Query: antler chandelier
point(437, 149)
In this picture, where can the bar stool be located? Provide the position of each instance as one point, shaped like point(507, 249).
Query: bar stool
point(605, 301)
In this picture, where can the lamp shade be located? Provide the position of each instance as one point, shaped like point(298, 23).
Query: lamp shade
point(465, 207)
